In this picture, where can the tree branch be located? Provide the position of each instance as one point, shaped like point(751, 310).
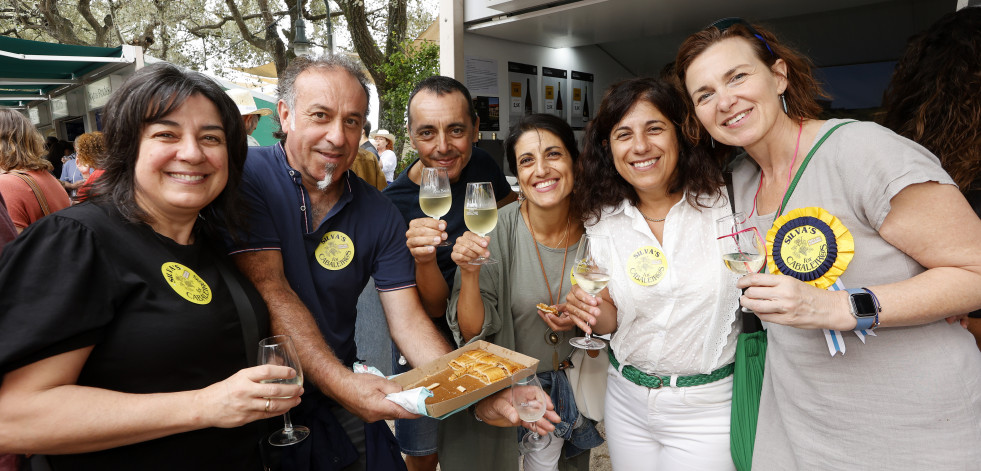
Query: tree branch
point(59, 27)
point(364, 44)
point(85, 9)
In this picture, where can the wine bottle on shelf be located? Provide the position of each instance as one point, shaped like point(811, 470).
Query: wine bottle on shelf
point(558, 101)
point(585, 104)
point(528, 97)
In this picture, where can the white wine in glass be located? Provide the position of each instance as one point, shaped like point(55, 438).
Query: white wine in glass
point(529, 401)
point(435, 198)
point(592, 275)
point(480, 213)
point(278, 350)
point(742, 248)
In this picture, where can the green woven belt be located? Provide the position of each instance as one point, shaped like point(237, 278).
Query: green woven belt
point(654, 382)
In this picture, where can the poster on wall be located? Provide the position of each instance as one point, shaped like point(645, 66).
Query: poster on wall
point(523, 79)
point(489, 112)
point(553, 81)
point(582, 99)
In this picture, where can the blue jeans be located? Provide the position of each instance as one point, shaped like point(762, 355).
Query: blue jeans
point(417, 437)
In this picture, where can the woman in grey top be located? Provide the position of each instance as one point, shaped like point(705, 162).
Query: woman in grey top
point(535, 241)
point(870, 236)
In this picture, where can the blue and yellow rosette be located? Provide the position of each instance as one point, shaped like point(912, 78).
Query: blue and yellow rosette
point(810, 245)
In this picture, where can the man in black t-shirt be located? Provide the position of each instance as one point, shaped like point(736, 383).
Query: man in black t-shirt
point(442, 129)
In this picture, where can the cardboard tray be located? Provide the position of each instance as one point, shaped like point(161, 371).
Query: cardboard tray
point(422, 376)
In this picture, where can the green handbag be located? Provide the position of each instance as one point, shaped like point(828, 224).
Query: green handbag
point(747, 382)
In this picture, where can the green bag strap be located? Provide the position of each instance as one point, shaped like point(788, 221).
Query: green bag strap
point(803, 165)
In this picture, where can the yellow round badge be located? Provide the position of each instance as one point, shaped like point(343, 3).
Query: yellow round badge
point(335, 251)
point(809, 244)
point(186, 283)
point(647, 266)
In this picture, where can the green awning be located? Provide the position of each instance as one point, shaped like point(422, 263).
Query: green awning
point(30, 69)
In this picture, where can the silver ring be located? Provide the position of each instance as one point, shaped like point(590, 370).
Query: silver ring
point(267, 404)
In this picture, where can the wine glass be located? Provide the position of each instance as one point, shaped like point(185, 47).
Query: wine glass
point(528, 399)
point(742, 247)
point(434, 195)
point(592, 276)
point(278, 350)
point(480, 213)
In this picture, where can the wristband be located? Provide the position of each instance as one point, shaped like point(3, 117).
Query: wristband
point(878, 307)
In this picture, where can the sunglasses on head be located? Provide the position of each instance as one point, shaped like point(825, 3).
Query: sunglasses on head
point(725, 23)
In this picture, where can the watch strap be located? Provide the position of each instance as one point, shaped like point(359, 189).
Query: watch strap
point(863, 322)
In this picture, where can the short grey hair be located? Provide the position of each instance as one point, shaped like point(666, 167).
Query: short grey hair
point(287, 83)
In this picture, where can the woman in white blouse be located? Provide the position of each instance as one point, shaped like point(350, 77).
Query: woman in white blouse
point(671, 303)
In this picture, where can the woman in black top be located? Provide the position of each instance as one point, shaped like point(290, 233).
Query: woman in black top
point(137, 359)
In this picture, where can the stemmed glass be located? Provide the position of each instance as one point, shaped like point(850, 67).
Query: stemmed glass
point(529, 400)
point(278, 350)
point(592, 275)
point(480, 213)
point(742, 248)
point(434, 195)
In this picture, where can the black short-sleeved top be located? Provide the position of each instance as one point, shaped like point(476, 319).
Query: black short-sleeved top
point(159, 314)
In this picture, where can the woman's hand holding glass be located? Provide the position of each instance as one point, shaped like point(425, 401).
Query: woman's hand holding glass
point(469, 247)
point(592, 275)
point(241, 398)
point(740, 245)
point(583, 308)
point(278, 350)
point(480, 214)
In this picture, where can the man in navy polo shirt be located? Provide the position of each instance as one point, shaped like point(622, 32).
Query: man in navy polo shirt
point(442, 128)
point(316, 233)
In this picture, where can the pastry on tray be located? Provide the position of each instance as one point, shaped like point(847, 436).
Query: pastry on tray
point(482, 365)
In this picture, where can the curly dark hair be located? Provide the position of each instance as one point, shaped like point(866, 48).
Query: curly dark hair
point(934, 97)
point(698, 172)
point(148, 96)
point(803, 89)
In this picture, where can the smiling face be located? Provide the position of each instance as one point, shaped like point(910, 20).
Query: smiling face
point(544, 168)
point(324, 127)
point(736, 96)
point(441, 131)
point(182, 164)
point(644, 146)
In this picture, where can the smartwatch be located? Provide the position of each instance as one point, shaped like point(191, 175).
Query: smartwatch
point(864, 308)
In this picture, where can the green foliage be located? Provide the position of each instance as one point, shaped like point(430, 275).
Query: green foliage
point(404, 68)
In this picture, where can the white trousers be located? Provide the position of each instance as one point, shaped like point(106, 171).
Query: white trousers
point(668, 429)
point(546, 459)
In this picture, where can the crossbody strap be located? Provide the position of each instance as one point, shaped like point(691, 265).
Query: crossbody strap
point(246, 314)
point(800, 171)
point(41, 200)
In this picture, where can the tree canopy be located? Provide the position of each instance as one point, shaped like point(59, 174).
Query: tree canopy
point(218, 34)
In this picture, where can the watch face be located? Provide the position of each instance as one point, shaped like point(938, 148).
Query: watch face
point(862, 304)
